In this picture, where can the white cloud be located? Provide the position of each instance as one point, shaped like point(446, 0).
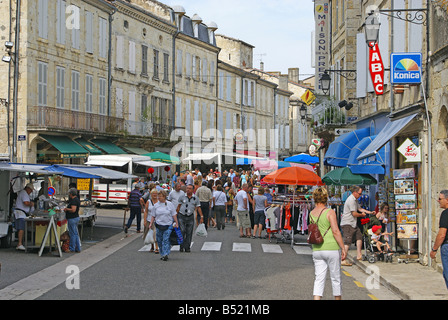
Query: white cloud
point(281, 29)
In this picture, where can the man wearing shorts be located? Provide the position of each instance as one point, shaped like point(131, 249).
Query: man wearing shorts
point(242, 201)
point(24, 206)
point(349, 227)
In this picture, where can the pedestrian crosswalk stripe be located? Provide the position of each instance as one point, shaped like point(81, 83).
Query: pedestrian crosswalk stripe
point(302, 250)
point(211, 246)
point(177, 247)
point(242, 247)
point(271, 248)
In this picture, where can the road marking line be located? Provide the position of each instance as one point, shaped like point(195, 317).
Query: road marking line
point(211, 246)
point(177, 247)
point(373, 297)
point(346, 273)
point(242, 247)
point(271, 248)
point(359, 284)
point(303, 250)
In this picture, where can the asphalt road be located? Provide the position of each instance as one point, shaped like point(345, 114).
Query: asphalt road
point(221, 266)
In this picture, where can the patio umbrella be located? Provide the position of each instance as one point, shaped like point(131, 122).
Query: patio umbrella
point(303, 158)
point(344, 177)
point(293, 176)
point(162, 157)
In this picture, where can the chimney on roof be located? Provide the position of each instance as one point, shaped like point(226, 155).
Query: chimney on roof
point(261, 65)
point(293, 74)
point(283, 82)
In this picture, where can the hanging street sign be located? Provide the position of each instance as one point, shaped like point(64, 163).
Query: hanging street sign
point(341, 131)
point(308, 97)
point(410, 151)
point(376, 68)
point(406, 68)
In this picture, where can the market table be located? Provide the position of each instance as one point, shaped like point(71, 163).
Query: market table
point(89, 214)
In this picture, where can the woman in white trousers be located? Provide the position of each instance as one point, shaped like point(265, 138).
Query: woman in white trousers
point(327, 255)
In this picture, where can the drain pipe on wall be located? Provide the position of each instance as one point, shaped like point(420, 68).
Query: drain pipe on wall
point(425, 89)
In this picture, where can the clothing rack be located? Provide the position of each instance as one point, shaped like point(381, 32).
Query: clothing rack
point(294, 202)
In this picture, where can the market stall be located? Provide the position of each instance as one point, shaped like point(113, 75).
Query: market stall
point(296, 207)
point(46, 212)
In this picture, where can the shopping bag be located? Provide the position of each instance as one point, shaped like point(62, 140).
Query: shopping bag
point(180, 239)
point(201, 231)
point(149, 239)
point(173, 238)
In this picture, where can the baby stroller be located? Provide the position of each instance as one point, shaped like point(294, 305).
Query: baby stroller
point(371, 251)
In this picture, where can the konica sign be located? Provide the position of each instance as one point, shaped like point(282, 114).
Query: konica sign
point(406, 68)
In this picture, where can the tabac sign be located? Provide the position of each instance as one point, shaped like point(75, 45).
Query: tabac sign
point(410, 151)
point(376, 68)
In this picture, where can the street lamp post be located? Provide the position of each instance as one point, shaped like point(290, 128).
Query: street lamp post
point(372, 29)
point(325, 81)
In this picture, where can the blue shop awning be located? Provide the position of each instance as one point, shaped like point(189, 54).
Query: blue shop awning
point(370, 165)
point(391, 129)
point(72, 173)
point(339, 150)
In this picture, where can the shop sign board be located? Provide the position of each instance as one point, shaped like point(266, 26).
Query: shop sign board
point(322, 18)
point(410, 151)
point(406, 68)
point(376, 68)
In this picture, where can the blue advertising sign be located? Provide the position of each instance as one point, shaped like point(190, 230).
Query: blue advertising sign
point(406, 68)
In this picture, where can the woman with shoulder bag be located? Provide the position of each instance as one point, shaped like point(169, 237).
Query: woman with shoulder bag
point(163, 215)
point(329, 253)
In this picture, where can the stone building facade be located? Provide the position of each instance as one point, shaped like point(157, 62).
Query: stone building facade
point(423, 107)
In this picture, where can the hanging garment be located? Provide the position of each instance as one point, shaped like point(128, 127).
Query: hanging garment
point(287, 217)
point(271, 218)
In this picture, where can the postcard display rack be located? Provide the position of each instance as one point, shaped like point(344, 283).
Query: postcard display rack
point(406, 208)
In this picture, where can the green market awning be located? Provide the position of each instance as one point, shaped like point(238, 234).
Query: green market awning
point(162, 157)
point(108, 146)
point(136, 150)
point(90, 147)
point(66, 146)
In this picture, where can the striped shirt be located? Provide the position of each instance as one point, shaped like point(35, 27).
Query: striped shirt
point(134, 198)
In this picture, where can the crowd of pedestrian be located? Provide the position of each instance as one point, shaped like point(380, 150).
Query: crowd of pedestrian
point(190, 198)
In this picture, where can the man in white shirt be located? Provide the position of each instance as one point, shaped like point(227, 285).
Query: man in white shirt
point(242, 201)
point(175, 195)
point(24, 206)
point(350, 230)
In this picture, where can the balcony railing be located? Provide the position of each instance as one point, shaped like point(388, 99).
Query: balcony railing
point(148, 129)
point(328, 113)
point(50, 118)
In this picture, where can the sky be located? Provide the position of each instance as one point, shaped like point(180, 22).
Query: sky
point(280, 30)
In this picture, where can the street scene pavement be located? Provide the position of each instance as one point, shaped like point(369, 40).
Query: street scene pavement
point(221, 266)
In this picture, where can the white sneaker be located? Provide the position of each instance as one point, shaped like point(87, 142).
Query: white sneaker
point(21, 247)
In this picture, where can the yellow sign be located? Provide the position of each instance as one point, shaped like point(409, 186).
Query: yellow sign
point(308, 97)
point(83, 184)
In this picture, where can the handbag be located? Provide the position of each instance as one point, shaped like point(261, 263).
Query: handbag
point(314, 235)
